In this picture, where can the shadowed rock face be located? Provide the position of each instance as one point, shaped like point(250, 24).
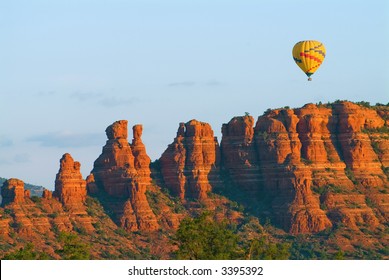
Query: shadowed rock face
point(307, 169)
point(292, 153)
point(189, 165)
point(239, 155)
point(292, 164)
point(122, 171)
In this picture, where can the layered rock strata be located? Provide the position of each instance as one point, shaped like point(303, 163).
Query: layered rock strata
point(189, 165)
point(70, 187)
point(122, 172)
point(310, 164)
point(13, 191)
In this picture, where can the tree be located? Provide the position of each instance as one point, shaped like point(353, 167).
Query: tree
point(203, 238)
point(26, 253)
point(339, 255)
point(262, 249)
point(72, 248)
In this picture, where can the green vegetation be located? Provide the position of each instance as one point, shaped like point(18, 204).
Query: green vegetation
point(382, 129)
point(386, 170)
point(263, 135)
point(364, 104)
point(263, 249)
point(353, 204)
point(305, 248)
point(72, 247)
point(268, 111)
point(204, 239)
point(350, 174)
point(156, 199)
point(26, 253)
point(306, 161)
point(329, 188)
point(370, 202)
point(121, 232)
point(36, 199)
point(339, 255)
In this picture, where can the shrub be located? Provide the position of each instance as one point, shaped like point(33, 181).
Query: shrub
point(36, 199)
point(121, 232)
point(72, 247)
point(27, 253)
point(262, 249)
point(203, 238)
point(339, 255)
point(350, 174)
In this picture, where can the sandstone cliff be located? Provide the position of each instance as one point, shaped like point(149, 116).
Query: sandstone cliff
point(313, 166)
point(13, 191)
point(122, 172)
point(189, 165)
point(319, 168)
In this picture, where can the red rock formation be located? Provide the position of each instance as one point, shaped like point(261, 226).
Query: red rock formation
point(287, 180)
point(91, 185)
point(173, 164)
point(189, 163)
point(46, 194)
point(123, 172)
point(12, 191)
point(27, 193)
point(239, 155)
point(4, 226)
point(357, 150)
point(70, 187)
point(350, 209)
point(14, 198)
point(292, 156)
point(70, 190)
point(141, 159)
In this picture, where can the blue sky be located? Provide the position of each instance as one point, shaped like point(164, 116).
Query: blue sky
point(68, 69)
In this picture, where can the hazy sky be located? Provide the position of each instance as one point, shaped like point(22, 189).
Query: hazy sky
point(70, 68)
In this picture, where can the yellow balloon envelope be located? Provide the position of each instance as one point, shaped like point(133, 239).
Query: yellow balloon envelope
point(309, 55)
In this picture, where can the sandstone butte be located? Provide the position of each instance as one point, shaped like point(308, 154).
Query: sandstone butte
point(306, 169)
point(313, 166)
point(190, 164)
point(70, 187)
point(62, 211)
point(122, 172)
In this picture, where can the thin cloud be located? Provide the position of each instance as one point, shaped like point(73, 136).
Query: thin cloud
point(117, 101)
point(86, 96)
point(5, 142)
point(210, 83)
point(18, 158)
point(4, 161)
point(182, 84)
point(103, 99)
point(22, 158)
point(213, 83)
point(45, 93)
point(68, 139)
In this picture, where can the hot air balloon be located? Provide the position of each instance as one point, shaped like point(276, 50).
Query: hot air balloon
point(309, 55)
